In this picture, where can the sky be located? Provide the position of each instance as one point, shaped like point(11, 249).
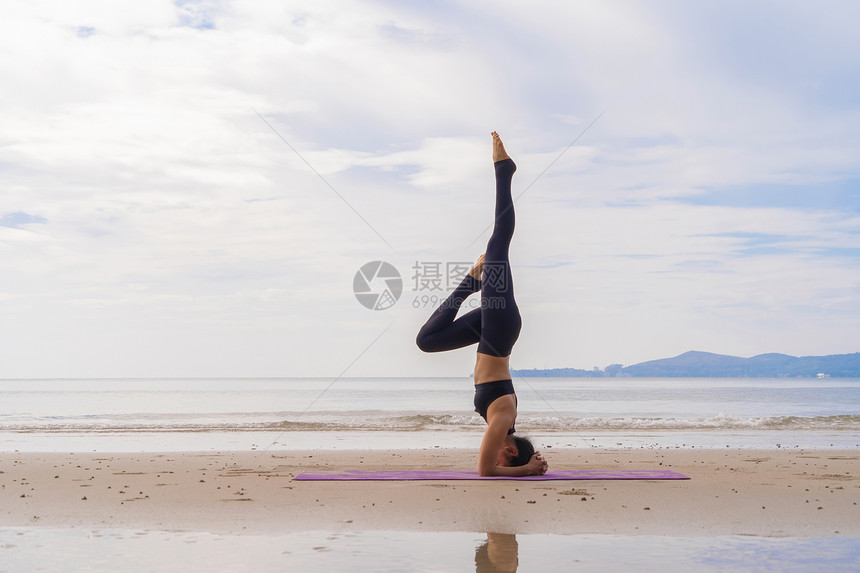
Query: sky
point(188, 189)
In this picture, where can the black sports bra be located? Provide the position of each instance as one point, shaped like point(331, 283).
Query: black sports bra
point(488, 392)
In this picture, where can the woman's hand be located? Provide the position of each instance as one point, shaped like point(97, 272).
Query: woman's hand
point(537, 466)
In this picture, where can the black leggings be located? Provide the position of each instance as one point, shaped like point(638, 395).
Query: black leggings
point(496, 325)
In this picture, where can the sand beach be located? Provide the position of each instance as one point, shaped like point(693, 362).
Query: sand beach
point(797, 493)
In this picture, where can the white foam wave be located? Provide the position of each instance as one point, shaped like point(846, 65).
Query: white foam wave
point(428, 422)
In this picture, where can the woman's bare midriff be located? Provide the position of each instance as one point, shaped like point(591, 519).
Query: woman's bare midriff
point(491, 368)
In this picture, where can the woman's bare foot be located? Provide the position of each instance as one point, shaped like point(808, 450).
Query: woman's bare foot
point(499, 152)
point(477, 269)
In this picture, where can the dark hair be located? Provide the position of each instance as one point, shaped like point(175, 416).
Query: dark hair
point(525, 451)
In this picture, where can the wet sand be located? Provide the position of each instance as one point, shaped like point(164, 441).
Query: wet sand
point(801, 493)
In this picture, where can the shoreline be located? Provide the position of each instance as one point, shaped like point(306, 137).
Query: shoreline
point(778, 493)
point(391, 440)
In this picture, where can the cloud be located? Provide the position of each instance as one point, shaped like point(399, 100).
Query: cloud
point(148, 210)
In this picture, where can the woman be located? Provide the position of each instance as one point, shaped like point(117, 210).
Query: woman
point(495, 327)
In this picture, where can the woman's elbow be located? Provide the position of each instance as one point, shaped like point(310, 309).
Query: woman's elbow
point(486, 471)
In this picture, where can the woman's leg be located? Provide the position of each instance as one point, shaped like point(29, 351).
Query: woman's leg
point(500, 317)
point(441, 332)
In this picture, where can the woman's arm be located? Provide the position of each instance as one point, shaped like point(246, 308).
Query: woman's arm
point(501, 416)
point(537, 466)
point(492, 444)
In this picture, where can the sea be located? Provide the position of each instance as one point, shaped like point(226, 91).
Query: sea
point(122, 415)
point(159, 415)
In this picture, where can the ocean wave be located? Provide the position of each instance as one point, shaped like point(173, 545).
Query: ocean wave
point(437, 422)
point(841, 423)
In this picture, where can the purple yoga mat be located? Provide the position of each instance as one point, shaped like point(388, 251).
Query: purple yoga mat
point(408, 475)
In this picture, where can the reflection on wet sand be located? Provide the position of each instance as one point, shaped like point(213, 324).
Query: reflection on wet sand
point(498, 553)
point(36, 548)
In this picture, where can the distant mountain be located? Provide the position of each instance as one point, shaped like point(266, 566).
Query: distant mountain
point(706, 364)
point(695, 364)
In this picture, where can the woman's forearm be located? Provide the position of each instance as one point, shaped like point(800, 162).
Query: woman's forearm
point(504, 471)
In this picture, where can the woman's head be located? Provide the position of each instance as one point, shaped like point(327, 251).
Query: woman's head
point(517, 451)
